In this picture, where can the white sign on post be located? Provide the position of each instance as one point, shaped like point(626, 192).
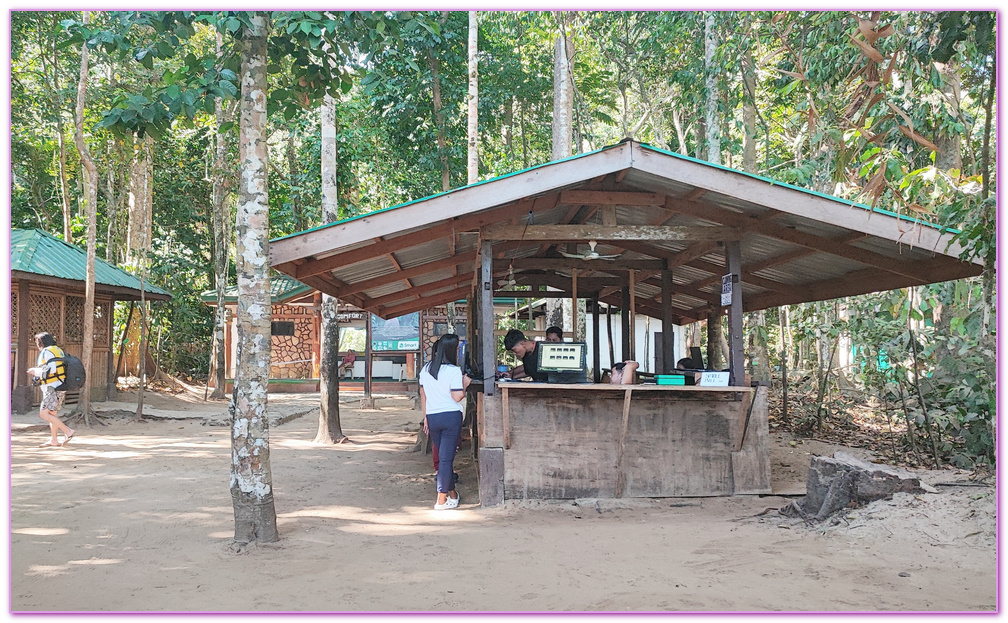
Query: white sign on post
point(726, 287)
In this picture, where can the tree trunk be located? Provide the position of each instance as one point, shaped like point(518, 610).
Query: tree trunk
point(251, 477)
point(716, 343)
point(221, 185)
point(473, 117)
point(563, 90)
point(57, 102)
point(711, 81)
point(329, 428)
point(91, 187)
point(442, 142)
point(137, 203)
point(949, 153)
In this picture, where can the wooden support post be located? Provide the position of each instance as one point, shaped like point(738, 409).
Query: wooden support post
point(574, 298)
point(110, 373)
point(612, 348)
point(633, 316)
point(625, 322)
point(620, 475)
point(317, 334)
point(736, 358)
point(21, 397)
point(667, 363)
point(488, 342)
point(367, 401)
point(596, 355)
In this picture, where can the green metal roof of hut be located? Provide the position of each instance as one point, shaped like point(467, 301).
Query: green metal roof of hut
point(282, 290)
point(39, 256)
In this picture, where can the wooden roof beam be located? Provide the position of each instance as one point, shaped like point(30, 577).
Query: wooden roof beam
point(611, 197)
point(583, 232)
point(412, 239)
point(425, 302)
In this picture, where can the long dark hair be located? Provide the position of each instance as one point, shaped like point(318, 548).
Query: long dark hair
point(45, 338)
point(445, 351)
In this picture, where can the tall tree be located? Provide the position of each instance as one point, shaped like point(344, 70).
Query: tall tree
point(329, 428)
point(91, 186)
point(221, 211)
point(473, 100)
point(251, 477)
point(563, 88)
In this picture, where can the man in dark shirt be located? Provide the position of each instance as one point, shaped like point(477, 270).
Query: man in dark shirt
point(525, 350)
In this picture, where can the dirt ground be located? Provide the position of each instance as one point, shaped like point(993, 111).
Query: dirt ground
point(137, 516)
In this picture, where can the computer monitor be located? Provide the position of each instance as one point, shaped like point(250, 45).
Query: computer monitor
point(564, 362)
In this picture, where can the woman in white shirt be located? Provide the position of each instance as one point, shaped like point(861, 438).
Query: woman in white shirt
point(442, 389)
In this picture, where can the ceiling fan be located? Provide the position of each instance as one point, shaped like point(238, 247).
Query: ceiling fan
point(509, 283)
point(591, 255)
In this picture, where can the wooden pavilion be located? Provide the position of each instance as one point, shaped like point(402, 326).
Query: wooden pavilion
point(644, 229)
point(47, 294)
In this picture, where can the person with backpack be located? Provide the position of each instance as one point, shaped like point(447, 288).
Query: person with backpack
point(442, 389)
point(49, 373)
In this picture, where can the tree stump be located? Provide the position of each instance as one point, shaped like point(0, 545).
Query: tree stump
point(836, 482)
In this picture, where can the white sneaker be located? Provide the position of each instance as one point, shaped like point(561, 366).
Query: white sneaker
point(452, 503)
point(441, 507)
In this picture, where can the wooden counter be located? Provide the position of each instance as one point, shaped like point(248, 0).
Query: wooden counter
point(555, 441)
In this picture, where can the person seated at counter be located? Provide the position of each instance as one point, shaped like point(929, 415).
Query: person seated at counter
point(686, 363)
point(623, 373)
point(554, 334)
point(525, 349)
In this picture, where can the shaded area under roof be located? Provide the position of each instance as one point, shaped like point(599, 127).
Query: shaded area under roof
point(647, 210)
point(37, 255)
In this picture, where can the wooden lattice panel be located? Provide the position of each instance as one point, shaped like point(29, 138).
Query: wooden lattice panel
point(14, 315)
point(101, 323)
point(44, 311)
point(73, 331)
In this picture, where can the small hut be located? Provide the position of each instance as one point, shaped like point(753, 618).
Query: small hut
point(47, 294)
point(296, 328)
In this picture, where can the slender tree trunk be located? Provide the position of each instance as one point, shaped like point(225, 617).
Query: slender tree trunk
point(563, 89)
point(911, 429)
point(329, 428)
point(251, 476)
point(473, 116)
point(91, 186)
point(949, 153)
point(57, 102)
point(932, 432)
point(711, 80)
point(221, 213)
point(563, 122)
point(293, 170)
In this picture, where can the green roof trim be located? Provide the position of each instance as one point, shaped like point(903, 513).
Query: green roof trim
point(39, 253)
point(773, 182)
point(282, 288)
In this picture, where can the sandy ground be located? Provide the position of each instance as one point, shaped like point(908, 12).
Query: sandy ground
point(137, 517)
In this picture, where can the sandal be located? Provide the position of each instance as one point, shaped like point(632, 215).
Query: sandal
point(69, 437)
point(49, 444)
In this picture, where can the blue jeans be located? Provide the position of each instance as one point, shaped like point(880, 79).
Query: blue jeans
point(444, 429)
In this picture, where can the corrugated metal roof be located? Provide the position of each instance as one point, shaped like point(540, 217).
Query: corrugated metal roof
point(36, 252)
point(796, 244)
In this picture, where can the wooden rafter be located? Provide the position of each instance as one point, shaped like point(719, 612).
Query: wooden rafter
point(585, 232)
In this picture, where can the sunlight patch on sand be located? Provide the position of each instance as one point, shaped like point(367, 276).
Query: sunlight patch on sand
point(47, 571)
point(41, 531)
point(96, 561)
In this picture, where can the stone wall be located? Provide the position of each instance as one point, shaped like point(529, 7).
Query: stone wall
point(292, 354)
